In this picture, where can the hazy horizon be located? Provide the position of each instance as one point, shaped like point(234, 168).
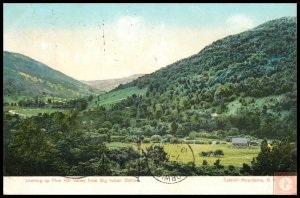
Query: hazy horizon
point(108, 41)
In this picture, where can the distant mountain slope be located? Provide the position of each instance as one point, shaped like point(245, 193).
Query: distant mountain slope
point(23, 76)
point(107, 85)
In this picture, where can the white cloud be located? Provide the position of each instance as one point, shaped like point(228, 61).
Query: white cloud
point(239, 22)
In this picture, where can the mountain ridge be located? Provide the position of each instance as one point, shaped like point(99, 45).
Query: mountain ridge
point(109, 84)
point(196, 58)
point(24, 76)
point(245, 78)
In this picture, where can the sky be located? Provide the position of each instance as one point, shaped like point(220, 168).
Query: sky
point(105, 41)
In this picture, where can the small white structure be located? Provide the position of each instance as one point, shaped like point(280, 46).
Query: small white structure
point(213, 114)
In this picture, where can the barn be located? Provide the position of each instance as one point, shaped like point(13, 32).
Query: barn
point(240, 142)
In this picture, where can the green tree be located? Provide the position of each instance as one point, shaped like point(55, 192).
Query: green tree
point(246, 170)
point(33, 151)
point(261, 165)
point(218, 152)
point(192, 135)
point(158, 112)
point(81, 104)
point(174, 127)
point(156, 138)
point(107, 124)
point(218, 164)
point(156, 158)
point(90, 98)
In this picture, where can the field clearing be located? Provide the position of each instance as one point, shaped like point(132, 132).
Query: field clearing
point(232, 156)
point(28, 112)
point(16, 99)
point(114, 97)
point(258, 103)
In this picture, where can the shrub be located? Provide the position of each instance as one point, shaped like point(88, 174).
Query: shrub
point(155, 138)
point(180, 140)
point(218, 152)
point(146, 140)
point(117, 138)
point(174, 140)
point(101, 138)
point(198, 135)
point(168, 137)
point(204, 163)
point(165, 140)
point(192, 135)
point(129, 139)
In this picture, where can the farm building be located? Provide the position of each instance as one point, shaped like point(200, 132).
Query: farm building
point(240, 142)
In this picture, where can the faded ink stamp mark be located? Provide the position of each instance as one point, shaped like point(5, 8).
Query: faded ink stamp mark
point(166, 160)
point(285, 183)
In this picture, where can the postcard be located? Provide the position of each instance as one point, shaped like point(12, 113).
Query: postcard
point(150, 98)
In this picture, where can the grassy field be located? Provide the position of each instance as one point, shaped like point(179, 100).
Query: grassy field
point(16, 99)
point(232, 156)
point(114, 97)
point(257, 103)
point(28, 112)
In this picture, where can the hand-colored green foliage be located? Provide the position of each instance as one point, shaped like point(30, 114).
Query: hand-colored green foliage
point(278, 157)
point(23, 76)
point(231, 78)
point(244, 85)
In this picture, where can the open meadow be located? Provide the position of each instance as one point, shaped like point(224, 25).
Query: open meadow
point(232, 156)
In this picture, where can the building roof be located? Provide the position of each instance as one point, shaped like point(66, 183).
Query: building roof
point(240, 140)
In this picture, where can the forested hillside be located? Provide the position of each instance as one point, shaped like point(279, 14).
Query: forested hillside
point(23, 76)
point(241, 86)
point(248, 80)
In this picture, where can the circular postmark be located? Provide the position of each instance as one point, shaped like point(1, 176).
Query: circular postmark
point(74, 177)
point(165, 161)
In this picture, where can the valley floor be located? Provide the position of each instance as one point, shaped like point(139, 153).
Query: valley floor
point(232, 156)
point(28, 112)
